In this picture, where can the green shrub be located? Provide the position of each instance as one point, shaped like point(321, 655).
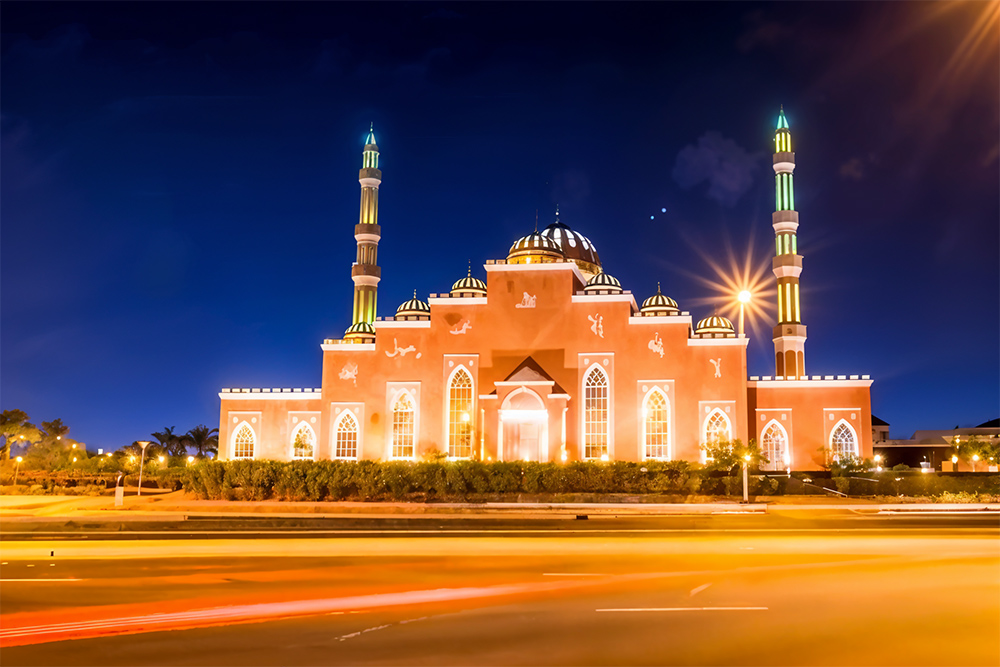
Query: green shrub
point(398, 479)
point(506, 477)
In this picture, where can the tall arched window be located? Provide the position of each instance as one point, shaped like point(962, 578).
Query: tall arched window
point(243, 442)
point(595, 414)
point(656, 418)
point(347, 437)
point(843, 441)
point(402, 427)
point(774, 445)
point(460, 415)
point(717, 427)
point(303, 441)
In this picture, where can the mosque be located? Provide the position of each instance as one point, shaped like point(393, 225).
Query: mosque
point(550, 359)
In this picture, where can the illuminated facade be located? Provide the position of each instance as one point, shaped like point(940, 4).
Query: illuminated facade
point(549, 359)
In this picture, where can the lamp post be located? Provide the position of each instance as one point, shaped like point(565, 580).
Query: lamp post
point(744, 298)
point(878, 463)
point(17, 466)
point(746, 491)
point(142, 459)
point(975, 457)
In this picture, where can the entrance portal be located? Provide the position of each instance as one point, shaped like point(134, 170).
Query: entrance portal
point(523, 427)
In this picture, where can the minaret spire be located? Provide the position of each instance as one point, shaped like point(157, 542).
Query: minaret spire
point(790, 334)
point(366, 273)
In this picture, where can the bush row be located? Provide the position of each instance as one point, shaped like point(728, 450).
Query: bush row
point(459, 480)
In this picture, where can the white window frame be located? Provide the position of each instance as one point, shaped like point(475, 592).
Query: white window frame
point(357, 435)
point(460, 367)
point(608, 427)
point(315, 441)
point(643, 418)
point(392, 420)
point(854, 434)
point(786, 462)
point(232, 446)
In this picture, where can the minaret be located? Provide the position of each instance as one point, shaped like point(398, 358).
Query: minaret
point(790, 334)
point(365, 273)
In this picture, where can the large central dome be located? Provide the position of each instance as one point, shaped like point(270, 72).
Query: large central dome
point(575, 246)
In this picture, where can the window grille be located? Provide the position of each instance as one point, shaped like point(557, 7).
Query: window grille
point(460, 415)
point(843, 441)
point(774, 444)
point(243, 442)
point(347, 437)
point(595, 424)
point(402, 427)
point(656, 418)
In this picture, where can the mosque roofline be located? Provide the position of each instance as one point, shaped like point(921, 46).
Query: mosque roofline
point(565, 265)
point(814, 381)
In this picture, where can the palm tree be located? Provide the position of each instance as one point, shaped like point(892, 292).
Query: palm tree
point(173, 444)
point(204, 439)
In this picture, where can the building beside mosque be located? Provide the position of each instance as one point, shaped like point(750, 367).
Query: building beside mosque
point(550, 359)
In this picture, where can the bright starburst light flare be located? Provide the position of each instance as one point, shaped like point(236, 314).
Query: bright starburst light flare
point(738, 281)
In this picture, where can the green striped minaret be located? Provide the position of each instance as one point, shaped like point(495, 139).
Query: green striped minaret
point(366, 273)
point(790, 334)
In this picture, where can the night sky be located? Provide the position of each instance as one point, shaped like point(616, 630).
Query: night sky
point(179, 183)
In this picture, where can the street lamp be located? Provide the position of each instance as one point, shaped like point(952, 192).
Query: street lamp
point(975, 457)
point(16, 468)
point(190, 460)
point(142, 459)
point(746, 492)
point(878, 463)
point(744, 298)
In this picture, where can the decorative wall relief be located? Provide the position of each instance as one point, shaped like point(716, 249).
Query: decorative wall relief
point(597, 325)
point(461, 327)
point(718, 366)
point(527, 301)
point(656, 345)
point(401, 351)
point(350, 372)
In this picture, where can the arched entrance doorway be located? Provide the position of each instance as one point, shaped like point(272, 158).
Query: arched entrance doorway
point(524, 432)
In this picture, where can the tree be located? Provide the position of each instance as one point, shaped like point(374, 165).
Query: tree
point(725, 454)
point(54, 431)
point(170, 442)
point(14, 426)
point(203, 439)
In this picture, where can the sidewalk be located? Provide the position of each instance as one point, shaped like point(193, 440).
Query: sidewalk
point(174, 506)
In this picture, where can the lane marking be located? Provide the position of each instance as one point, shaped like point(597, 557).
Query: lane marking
point(573, 574)
point(699, 589)
point(688, 609)
point(42, 580)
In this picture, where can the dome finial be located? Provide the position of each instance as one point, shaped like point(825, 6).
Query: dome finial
point(536, 220)
point(470, 269)
point(557, 212)
point(414, 294)
point(658, 287)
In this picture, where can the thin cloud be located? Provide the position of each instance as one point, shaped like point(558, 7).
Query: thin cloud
point(727, 167)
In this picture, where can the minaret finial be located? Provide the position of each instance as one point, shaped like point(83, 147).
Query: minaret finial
point(536, 220)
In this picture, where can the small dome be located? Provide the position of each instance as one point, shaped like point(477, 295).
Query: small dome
point(715, 324)
point(360, 330)
point(414, 307)
point(534, 243)
point(468, 284)
point(603, 282)
point(658, 304)
point(575, 246)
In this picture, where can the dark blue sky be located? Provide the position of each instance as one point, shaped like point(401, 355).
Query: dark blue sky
point(179, 182)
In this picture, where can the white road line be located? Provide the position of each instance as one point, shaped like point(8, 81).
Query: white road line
point(699, 589)
point(573, 574)
point(41, 580)
point(690, 609)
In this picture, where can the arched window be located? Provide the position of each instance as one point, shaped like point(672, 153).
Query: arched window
point(774, 445)
point(402, 427)
point(243, 442)
point(595, 414)
point(347, 437)
point(460, 415)
point(656, 417)
point(717, 427)
point(843, 441)
point(303, 441)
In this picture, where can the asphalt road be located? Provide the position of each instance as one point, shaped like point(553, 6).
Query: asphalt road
point(741, 590)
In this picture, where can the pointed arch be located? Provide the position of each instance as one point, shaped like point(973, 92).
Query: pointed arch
point(595, 413)
point(843, 440)
point(656, 425)
point(403, 426)
point(244, 441)
point(346, 430)
point(460, 411)
point(774, 445)
point(717, 426)
point(303, 441)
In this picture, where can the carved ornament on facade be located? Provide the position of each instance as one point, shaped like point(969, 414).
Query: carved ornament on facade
point(350, 372)
point(401, 351)
point(527, 301)
point(656, 345)
point(718, 366)
point(597, 325)
point(461, 328)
